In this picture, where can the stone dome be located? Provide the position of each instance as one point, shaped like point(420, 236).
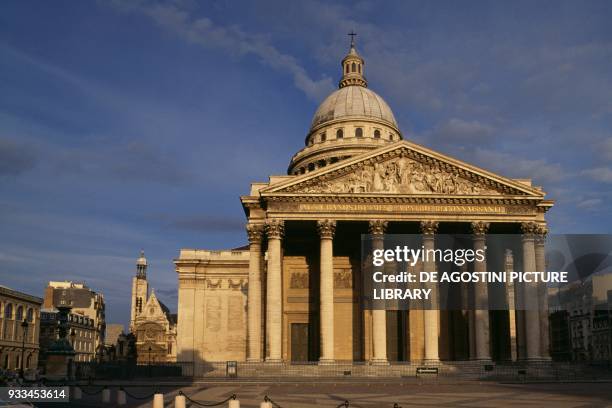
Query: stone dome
point(353, 102)
point(350, 121)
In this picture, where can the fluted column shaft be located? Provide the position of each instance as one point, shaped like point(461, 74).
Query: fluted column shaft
point(481, 295)
point(510, 296)
point(532, 315)
point(255, 232)
point(326, 230)
point(274, 300)
point(431, 316)
point(540, 259)
point(379, 317)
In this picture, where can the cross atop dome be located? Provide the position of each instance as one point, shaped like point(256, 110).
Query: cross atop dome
point(352, 67)
point(352, 34)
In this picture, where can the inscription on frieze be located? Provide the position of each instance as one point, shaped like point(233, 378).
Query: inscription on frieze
point(402, 208)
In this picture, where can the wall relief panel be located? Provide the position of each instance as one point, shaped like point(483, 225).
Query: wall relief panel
point(299, 280)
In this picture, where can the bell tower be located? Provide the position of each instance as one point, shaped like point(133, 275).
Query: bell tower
point(140, 289)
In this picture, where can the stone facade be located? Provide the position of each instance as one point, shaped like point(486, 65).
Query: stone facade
point(212, 302)
point(15, 308)
point(293, 293)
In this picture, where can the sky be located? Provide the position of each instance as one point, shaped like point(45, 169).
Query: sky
point(129, 125)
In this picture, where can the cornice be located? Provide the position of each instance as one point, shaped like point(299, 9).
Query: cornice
point(402, 199)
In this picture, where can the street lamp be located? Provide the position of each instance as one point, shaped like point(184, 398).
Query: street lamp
point(24, 327)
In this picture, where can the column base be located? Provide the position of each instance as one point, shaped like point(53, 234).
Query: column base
point(273, 360)
point(327, 361)
point(431, 361)
point(536, 359)
point(253, 360)
point(379, 361)
point(485, 360)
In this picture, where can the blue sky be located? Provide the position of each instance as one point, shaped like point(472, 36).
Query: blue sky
point(129, 125)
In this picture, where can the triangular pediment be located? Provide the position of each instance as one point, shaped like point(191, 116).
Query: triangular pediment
point(403, 168)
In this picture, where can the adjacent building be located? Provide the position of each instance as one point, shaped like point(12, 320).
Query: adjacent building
point(19, 329)
point(119, 345)
point(82, 334)
point(84, 302)
point(581, 319)
point(151, 321)
point(113, 332)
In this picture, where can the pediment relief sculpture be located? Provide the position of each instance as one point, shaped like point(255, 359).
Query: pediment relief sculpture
point(400, 175)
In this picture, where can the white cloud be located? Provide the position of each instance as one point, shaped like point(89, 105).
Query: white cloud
point(603, 174)
point(231, 39)
point(515, 165)
point(590, 203)
point(458, 130)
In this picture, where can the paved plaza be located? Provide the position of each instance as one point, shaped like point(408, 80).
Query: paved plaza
point(379, 395)
point(412, 395)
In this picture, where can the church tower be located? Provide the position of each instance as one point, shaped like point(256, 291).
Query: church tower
point(140, 289)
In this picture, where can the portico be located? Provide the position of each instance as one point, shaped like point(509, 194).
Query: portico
point(319, 260)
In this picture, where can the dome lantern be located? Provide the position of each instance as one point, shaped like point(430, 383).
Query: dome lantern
point(353, 67)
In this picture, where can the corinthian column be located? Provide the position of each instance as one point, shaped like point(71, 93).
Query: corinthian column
point(274, 301)
point(326, 230)
point(540, 259)
point(481, 295)
point(379, 317)
point(255, 233)
point(431, 316)
point(510, 298)
point(532, 315)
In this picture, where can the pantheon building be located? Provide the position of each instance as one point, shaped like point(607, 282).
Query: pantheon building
point(293, 294)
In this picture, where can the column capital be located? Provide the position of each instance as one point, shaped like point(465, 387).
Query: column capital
point(275, 228)
point(529, 229)
point(540, 233)
point(326, 228)
point(429, 227)
point(377, 227)
point(480, 227)
point(254, 232)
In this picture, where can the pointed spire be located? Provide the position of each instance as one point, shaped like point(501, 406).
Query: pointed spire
point(352, 67)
